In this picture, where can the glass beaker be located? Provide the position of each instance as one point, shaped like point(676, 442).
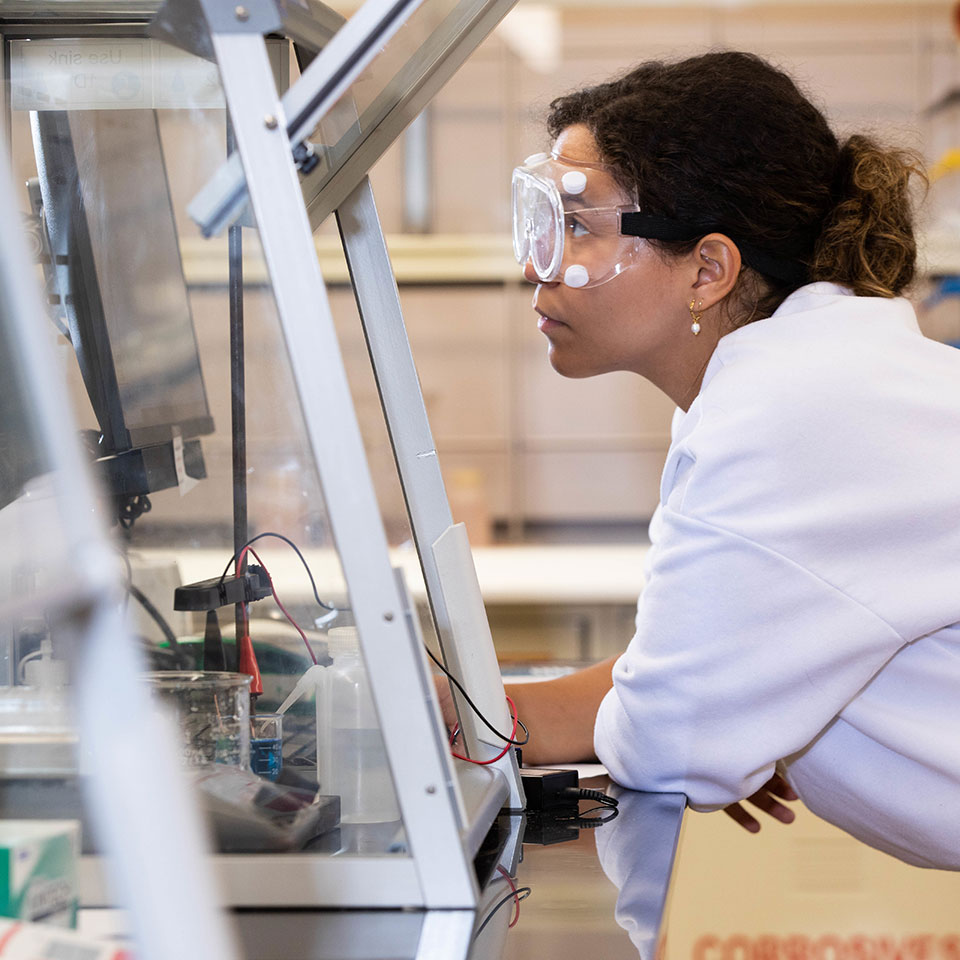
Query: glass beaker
point(213, 712)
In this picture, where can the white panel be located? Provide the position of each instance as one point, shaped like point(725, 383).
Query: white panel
point(471, 633)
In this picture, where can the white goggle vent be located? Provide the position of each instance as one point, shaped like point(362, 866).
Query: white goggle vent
point(576, 275)
point(574, 182)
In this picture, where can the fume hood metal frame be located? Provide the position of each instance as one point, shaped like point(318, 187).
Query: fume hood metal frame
point(446, 809)
point(447, 805)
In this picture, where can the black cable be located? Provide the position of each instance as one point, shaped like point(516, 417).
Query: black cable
point(598, 795)
point(126, 562)
point(474, 707)
point(157, 617)
point(582, 793)
point(513, 894)
point(296, 549)
point(583, 820)
point(122, 554)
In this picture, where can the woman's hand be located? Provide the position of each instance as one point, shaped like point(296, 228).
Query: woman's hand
point(765, 800)
point(559, 713)
point(445, 699)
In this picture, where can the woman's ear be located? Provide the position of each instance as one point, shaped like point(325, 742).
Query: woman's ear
point(718, 267)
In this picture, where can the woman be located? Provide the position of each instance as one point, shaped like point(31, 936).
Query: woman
point(699, 224)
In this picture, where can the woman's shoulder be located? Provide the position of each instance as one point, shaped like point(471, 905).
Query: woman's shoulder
point(834, 394)
point(823, 352)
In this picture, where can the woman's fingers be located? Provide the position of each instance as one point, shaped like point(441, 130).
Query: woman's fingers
point(779, 787)
point(737, 813)
point(765, 799)
point(769, 805)
point(445, 699)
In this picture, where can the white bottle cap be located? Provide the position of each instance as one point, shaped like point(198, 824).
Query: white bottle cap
point(576, 275)
point(574, 182)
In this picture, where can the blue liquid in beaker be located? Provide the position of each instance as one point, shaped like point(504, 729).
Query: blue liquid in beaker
point(265, 757)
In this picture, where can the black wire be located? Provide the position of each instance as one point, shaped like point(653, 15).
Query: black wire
point(473, 706)
point(126, 562)
point(157, 617)
point(122, 554)
point(296, 549)
point(599, 796)
point(513, 894)
point(583, 820)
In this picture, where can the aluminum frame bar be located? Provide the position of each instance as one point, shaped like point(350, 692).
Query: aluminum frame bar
point(378, 301)
point(341, 61)
point(399, 678)
point(321, 85)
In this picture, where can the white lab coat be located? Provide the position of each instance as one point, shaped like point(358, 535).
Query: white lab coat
point(803, 591)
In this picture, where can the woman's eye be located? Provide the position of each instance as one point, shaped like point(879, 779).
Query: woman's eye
point(578, 229)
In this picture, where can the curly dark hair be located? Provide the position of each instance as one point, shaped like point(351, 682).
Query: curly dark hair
point(726, 139)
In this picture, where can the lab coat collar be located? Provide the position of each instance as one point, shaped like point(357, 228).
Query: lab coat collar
point(811, 299)
point(824, 296)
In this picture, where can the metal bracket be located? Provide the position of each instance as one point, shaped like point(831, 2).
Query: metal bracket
point(246, 16)
point(317, 90)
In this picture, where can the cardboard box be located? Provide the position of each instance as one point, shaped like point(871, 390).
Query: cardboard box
point(38, 870)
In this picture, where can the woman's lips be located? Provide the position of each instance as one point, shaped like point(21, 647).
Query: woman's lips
point(545, 323)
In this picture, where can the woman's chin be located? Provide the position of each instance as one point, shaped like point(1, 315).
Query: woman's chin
point(567, 366)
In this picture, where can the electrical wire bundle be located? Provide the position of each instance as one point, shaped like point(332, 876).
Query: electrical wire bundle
point(237, 560)
point(248, 659)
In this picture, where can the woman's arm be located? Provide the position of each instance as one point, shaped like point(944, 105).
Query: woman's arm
point(560, 713)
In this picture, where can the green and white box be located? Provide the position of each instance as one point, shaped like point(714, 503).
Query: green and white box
point(38, 870)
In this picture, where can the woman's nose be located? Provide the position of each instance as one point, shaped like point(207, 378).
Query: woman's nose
point(530, 275)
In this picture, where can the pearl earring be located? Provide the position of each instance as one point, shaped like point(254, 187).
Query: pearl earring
point(695, 316)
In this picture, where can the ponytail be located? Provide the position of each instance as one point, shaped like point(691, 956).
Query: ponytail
point(867, 242)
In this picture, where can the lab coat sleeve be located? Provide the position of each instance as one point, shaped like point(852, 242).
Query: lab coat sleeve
point(741, 658)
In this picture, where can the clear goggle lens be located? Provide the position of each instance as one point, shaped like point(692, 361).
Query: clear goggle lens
point(537, 222)
point(566, 221)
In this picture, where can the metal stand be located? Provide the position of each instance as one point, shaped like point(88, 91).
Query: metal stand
point(448, 571)
point(238, 405)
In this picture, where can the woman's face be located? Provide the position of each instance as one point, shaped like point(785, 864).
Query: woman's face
point(635, 322)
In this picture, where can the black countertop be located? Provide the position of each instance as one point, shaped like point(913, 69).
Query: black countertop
point(602, 894)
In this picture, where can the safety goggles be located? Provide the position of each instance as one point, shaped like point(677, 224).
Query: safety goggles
point(567, 220)
point(574, 222)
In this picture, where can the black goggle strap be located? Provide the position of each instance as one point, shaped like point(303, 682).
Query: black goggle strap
point(650, 227)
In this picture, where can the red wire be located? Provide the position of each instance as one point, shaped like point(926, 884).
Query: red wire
point(516, 899)
point(273, 590)
point(502, 753)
